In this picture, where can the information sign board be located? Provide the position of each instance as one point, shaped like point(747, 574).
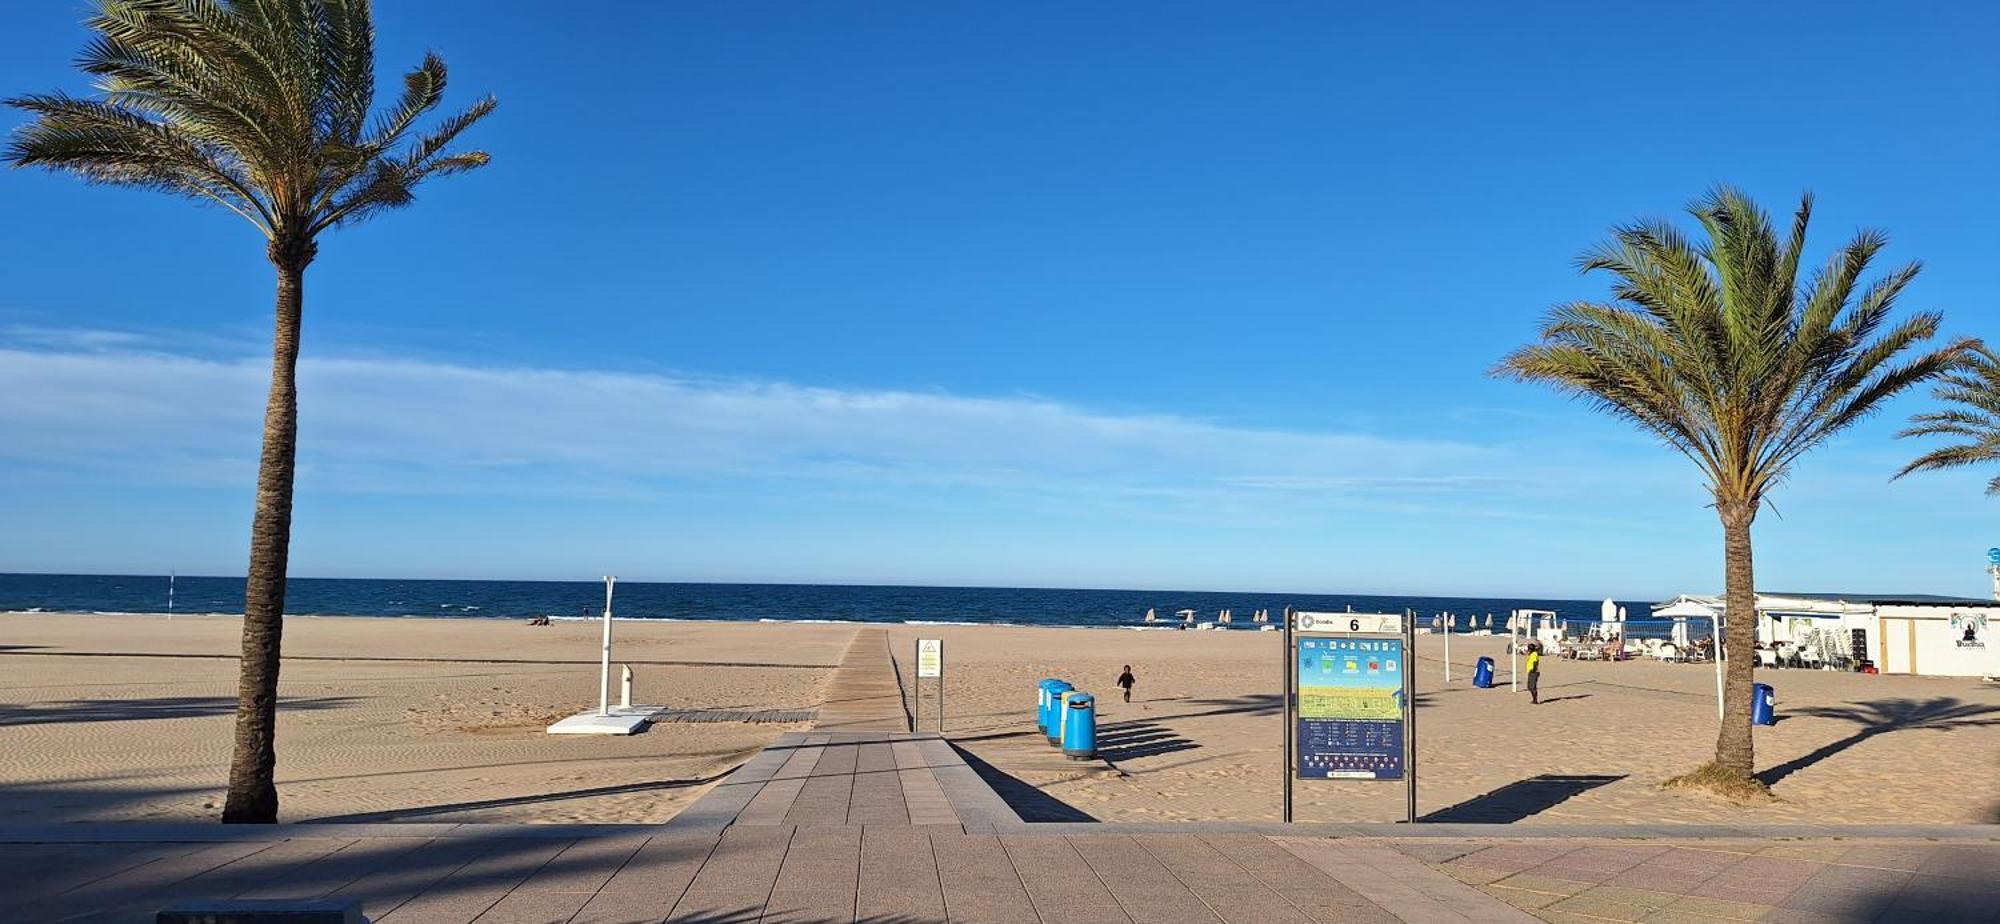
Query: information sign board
point(930, 657)
point(1351, 707)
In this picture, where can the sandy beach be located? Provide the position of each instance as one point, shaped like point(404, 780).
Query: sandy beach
point(128, 718)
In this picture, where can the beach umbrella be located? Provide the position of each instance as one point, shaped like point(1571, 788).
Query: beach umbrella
point(1151, 616)
point(1489, 620)
point(1608, 612)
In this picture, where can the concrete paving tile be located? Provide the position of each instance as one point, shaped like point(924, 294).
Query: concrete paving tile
point(820, 877)
point(1821, 851)
point(141, 882)
point(1235, 895)
point(1672, 881)
point(1802, 916)
point(648, 886)
point(1600, 908)
point(1524, 899)
point(1979, 862)
point(1642, 898)
point(737, 875)
point(1144, 887)
point(336, 870)
point(1719, 908)
point(1319, 896)
point(1435, 853)
point(1949, 896)
point(1473, 875)
point(389, 887)
point(1547, 884)
point(1857, 878)
point(1854, 904)
point(1059, 882)
point(1905, 857)
point(473, 888)
point(898, 878)
point(980, 884)
point(1677, 916)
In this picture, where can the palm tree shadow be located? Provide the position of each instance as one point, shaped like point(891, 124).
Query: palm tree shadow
point(1879, 717)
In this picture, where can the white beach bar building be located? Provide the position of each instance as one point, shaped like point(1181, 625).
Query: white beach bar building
point(1897, 633)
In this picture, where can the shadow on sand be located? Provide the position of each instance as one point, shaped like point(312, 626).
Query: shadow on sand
point(1027, 801)
point(1882, 716)
point(158, 707)
point(1520, 799)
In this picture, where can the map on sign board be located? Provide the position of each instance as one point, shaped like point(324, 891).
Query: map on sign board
point(930, 657)
point(1351, 708)
point(1374, 623)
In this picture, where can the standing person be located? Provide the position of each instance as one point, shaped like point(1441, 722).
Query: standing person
point(1125, 682)
point(1534, 673)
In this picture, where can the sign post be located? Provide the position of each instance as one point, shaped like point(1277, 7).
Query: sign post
point(604, 654)
point(1349, 700)
point(1448, 618)
point(930, 664)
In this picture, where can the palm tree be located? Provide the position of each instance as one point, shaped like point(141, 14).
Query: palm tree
point(264, 108)
point(1975, 388)
point(1721, 350)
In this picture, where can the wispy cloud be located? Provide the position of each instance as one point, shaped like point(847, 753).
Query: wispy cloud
point(128, 408)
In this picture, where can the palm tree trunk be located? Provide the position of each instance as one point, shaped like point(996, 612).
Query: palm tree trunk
point(253, 792)
point(1734, 750)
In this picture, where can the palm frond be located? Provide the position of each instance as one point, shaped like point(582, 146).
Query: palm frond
point(1973, 386)
point(1717, 347)
point(263, 106)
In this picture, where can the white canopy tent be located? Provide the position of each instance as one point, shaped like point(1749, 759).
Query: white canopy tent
point(1685, 609)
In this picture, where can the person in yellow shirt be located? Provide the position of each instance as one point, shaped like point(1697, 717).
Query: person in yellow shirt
point(1534, 673)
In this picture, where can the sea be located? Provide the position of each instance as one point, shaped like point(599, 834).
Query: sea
point(483, 599)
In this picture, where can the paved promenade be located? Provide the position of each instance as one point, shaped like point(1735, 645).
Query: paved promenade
point(860, 820)
point(454, 874)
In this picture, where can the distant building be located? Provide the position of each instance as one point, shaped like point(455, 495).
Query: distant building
point(1897, 633)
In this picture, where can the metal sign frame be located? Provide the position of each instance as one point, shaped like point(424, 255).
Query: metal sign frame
point(1355, 626)
point(917, 722)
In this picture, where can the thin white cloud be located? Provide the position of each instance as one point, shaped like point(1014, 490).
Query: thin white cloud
point(130, 410)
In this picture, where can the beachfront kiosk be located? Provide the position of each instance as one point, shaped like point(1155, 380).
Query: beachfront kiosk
point(1348, 685)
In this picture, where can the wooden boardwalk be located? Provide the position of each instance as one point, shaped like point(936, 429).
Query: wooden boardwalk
point(865, 694)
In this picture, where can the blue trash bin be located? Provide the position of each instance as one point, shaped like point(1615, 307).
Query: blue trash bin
point(1052, 711)
point(1079, 726)
point(1042, 703)
point(1763, 704)
point(1482, 675)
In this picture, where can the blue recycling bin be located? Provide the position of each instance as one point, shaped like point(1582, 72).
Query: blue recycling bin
point(1041, 703)
point(1079, 726)
point(1052, 711)
point(1763, 704)
point(1482, 675)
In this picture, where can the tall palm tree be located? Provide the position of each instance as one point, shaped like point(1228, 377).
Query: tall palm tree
point(1721, 350)
point(1975, 388)
point(264, 108)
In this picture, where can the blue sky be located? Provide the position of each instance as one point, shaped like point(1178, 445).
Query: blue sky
point(1133, 295)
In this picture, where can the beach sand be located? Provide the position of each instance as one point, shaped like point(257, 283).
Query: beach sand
point(127, 718)
point(1201, 740)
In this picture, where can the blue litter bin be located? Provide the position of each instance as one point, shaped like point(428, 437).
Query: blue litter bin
point(1079, 726)
point(1763, 704)
point(1482, 675)
point(1052, 711)
point(1041, 703)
